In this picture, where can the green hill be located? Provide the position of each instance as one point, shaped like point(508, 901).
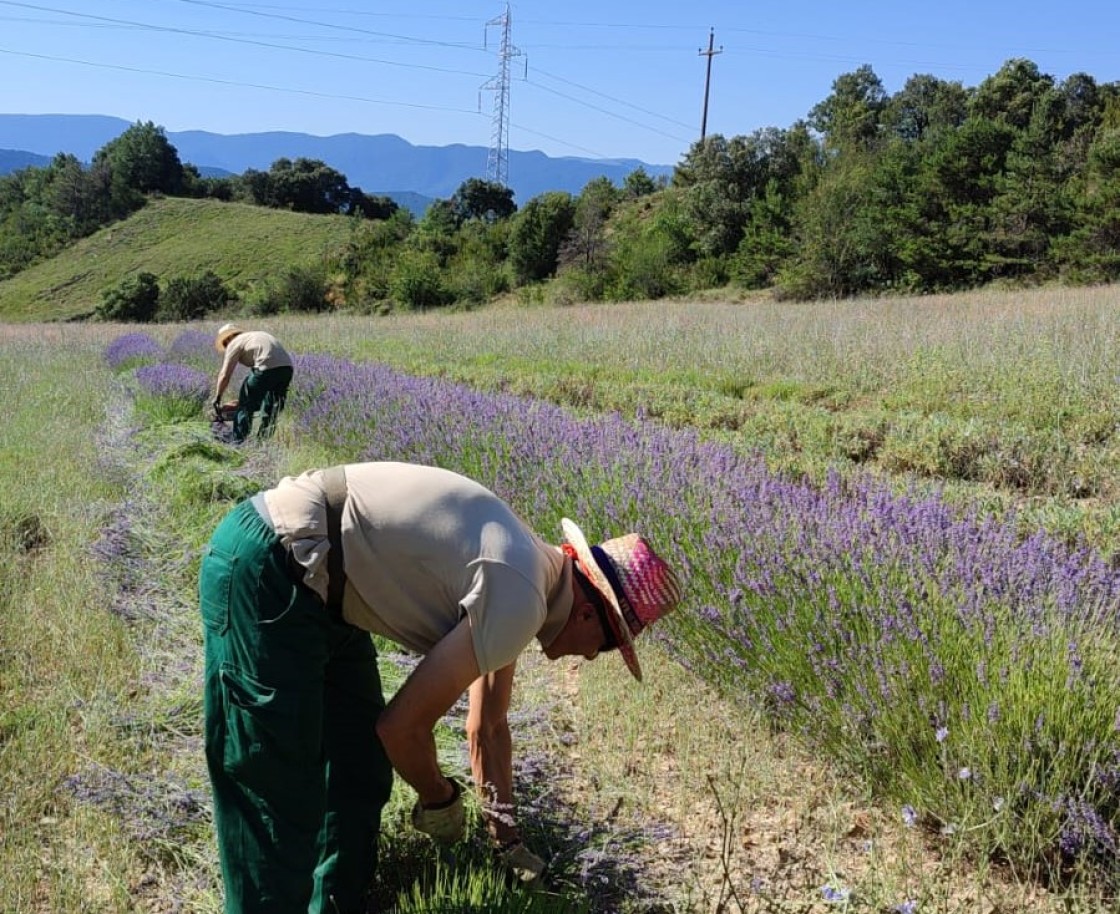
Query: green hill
point(171, 237)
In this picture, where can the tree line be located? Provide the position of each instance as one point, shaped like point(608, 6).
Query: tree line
point(937, 187)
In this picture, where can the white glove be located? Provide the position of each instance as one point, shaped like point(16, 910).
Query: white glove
point(525, 866)
point(444, 822)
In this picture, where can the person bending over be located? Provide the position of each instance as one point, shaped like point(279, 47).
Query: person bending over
point(264, 388)
point(300, 745)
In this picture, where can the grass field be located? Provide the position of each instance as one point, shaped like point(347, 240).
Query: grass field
point(172, 237)
point(1005, 399)
point(999, 400)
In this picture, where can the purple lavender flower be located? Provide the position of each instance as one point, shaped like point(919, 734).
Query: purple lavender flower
point(174, 381)
point(132, 349)
point(906, 907)
point(838, 589)
point(834, 893)
point(909, 816)
point(192, 347)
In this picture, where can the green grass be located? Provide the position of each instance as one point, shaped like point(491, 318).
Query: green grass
point(244, 245)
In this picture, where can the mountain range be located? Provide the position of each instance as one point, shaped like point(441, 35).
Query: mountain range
point(378, 164)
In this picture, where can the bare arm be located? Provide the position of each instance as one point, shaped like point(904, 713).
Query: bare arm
point(405, 726)
point(491, 750)
point(229, 362)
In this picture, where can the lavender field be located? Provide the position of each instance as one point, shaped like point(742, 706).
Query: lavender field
point(956, 664)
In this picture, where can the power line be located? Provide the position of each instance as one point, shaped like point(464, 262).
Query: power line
point(618, 101)
point(105, 21)
point(236, 83)
point(328, 25)
point(246, 41)
point(619, 117)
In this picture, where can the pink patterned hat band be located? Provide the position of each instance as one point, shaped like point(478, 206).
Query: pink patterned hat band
point(645, 585)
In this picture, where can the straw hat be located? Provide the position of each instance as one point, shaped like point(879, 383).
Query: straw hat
point(638, 585)
point(226, 333)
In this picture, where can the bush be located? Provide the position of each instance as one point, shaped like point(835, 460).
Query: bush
point(302, 289)
point(134, 300)
point(186, 299)
point(415, 281)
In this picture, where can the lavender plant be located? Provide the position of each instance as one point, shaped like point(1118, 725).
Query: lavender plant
point(868, 621)
point(962, 669)
point(192, 347)
point(131, 351)
point(167, 392)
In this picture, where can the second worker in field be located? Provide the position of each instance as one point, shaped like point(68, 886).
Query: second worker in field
point(265, 388)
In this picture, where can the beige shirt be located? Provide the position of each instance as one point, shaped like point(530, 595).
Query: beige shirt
point(422, 547)
point(257, 350)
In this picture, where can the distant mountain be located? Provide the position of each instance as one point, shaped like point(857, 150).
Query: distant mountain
point(369, 162)
point(15, 159)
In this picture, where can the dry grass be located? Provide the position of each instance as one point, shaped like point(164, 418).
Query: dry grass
point(752, 821)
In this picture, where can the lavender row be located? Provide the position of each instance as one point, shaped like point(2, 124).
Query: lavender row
point(967, 671)
point(871, 621)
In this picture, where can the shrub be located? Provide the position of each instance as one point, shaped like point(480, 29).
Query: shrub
point(188, 299)
point(415, 281)
point(134, 300)
point(302, 289)
point(170, 392)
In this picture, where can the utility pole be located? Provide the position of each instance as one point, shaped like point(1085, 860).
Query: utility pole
point(710, 53)
point(497, 163)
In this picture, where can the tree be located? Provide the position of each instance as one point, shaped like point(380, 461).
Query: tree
point(1010, 94)
point(1092, 251)
point(308, 186)
point(538, 231)
point(850, 116)
point(585, 245)
point(723, 180)
point(639, 184)
point(923, 105)
point(485, 200)
point(191, 298)
point(140, 161)
point(371, 206)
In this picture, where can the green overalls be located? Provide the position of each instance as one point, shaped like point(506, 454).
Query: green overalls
point(292, 695)
point(264, 390)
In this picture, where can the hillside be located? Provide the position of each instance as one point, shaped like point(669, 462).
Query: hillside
point(15, 159)
point(171, 237)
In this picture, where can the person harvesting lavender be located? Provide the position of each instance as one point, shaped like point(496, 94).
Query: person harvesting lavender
point(301, 746)
point(264, 388)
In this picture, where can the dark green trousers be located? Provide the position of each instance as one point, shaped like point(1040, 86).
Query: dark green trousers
point(292, 695)
point(264, 390)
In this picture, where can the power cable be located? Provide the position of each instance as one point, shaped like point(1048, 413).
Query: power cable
point(264, 44)
point(237, 84)
point(330, 25)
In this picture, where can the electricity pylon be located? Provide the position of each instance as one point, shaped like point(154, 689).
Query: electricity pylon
point(497, 163)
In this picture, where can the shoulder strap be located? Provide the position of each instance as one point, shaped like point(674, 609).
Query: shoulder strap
point(334, 486)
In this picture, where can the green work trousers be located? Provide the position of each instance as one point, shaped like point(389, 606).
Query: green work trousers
point(264, 390)
point(292, 695)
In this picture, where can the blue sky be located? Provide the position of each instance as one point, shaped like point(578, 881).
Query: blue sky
point(591, 78)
